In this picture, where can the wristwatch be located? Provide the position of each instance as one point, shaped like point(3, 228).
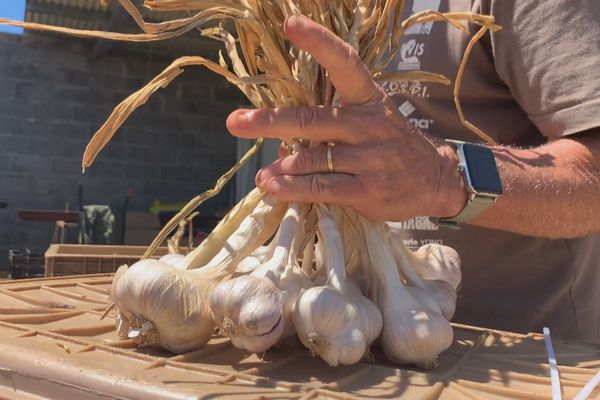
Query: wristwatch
point(478, 167)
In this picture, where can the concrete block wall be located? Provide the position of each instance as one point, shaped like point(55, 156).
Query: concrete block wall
point(54, 95)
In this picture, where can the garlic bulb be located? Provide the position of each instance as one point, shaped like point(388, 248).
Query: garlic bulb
point(438, 262)
point(431, 261)
point(329, 325)
point(163, 306)
point(335, 321)
point(245, 314)
point(412, 333)
point(249, 310)
point(441, 291)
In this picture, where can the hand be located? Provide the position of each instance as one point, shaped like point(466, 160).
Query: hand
point(383, 167)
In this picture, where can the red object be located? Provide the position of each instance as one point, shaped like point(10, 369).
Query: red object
point(71, 217)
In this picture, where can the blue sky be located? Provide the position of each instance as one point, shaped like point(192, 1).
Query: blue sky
point(12, 9)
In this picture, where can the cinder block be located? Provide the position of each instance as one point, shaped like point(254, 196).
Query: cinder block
point(142, 136)
point(175, 173)
point(34, 165)
point(160, 156)
point(142, 171)
point(108, 169)
point(50, 111)
point(16, 145)
point(24, 127)
point(96, 115)
point(10, 107)
point(70, 131)
point(66, 167)
point(176, 140)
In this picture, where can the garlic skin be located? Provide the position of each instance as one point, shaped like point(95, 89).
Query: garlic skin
point(444, 295)
point(330, 326)
point(292, 283)
point(437, 262)
point(163, 306)
point(424, 298)
point(174, 260)
point(122, 322)
point(412, 334)
point(249, 310)
point(256, 259)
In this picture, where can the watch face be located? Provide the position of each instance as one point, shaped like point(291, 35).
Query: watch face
point(482, 171)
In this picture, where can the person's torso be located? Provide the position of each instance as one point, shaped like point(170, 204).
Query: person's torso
point(510, 282)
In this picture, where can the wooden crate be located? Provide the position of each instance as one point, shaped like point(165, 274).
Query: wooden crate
point(76, 259)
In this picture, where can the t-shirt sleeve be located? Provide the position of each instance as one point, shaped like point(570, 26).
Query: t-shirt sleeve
point(548, 53)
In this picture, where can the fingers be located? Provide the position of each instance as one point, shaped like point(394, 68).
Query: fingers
point(338, 189)
point(310, 161)
point(346, 70)
point(321, 124)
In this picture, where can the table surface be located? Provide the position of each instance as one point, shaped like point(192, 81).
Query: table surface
point(54, 345)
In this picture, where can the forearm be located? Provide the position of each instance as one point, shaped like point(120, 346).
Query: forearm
point(550, 191)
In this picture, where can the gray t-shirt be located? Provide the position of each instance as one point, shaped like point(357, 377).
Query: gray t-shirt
point(536, 79)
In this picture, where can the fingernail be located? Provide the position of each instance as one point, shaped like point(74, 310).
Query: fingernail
point(243, 119)
point(258, 179)
point(296, 23)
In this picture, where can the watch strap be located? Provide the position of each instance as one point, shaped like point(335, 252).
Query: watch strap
point(475, 206)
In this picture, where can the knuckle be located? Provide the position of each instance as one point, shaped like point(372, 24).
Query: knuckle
point(306, 117)
point(351, 57)
point(305, 161)
point(318, 186)
point(265, 118)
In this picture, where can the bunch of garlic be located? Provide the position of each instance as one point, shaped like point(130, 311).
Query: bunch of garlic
point(356, 283)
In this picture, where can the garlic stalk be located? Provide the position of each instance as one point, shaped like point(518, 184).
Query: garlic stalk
point(166, 306)
point(412, 333)
point(211, 246)
point(249, 309)
point(335, 321)
point(308, 258)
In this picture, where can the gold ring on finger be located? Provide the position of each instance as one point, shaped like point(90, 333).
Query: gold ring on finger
point(330, 158)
